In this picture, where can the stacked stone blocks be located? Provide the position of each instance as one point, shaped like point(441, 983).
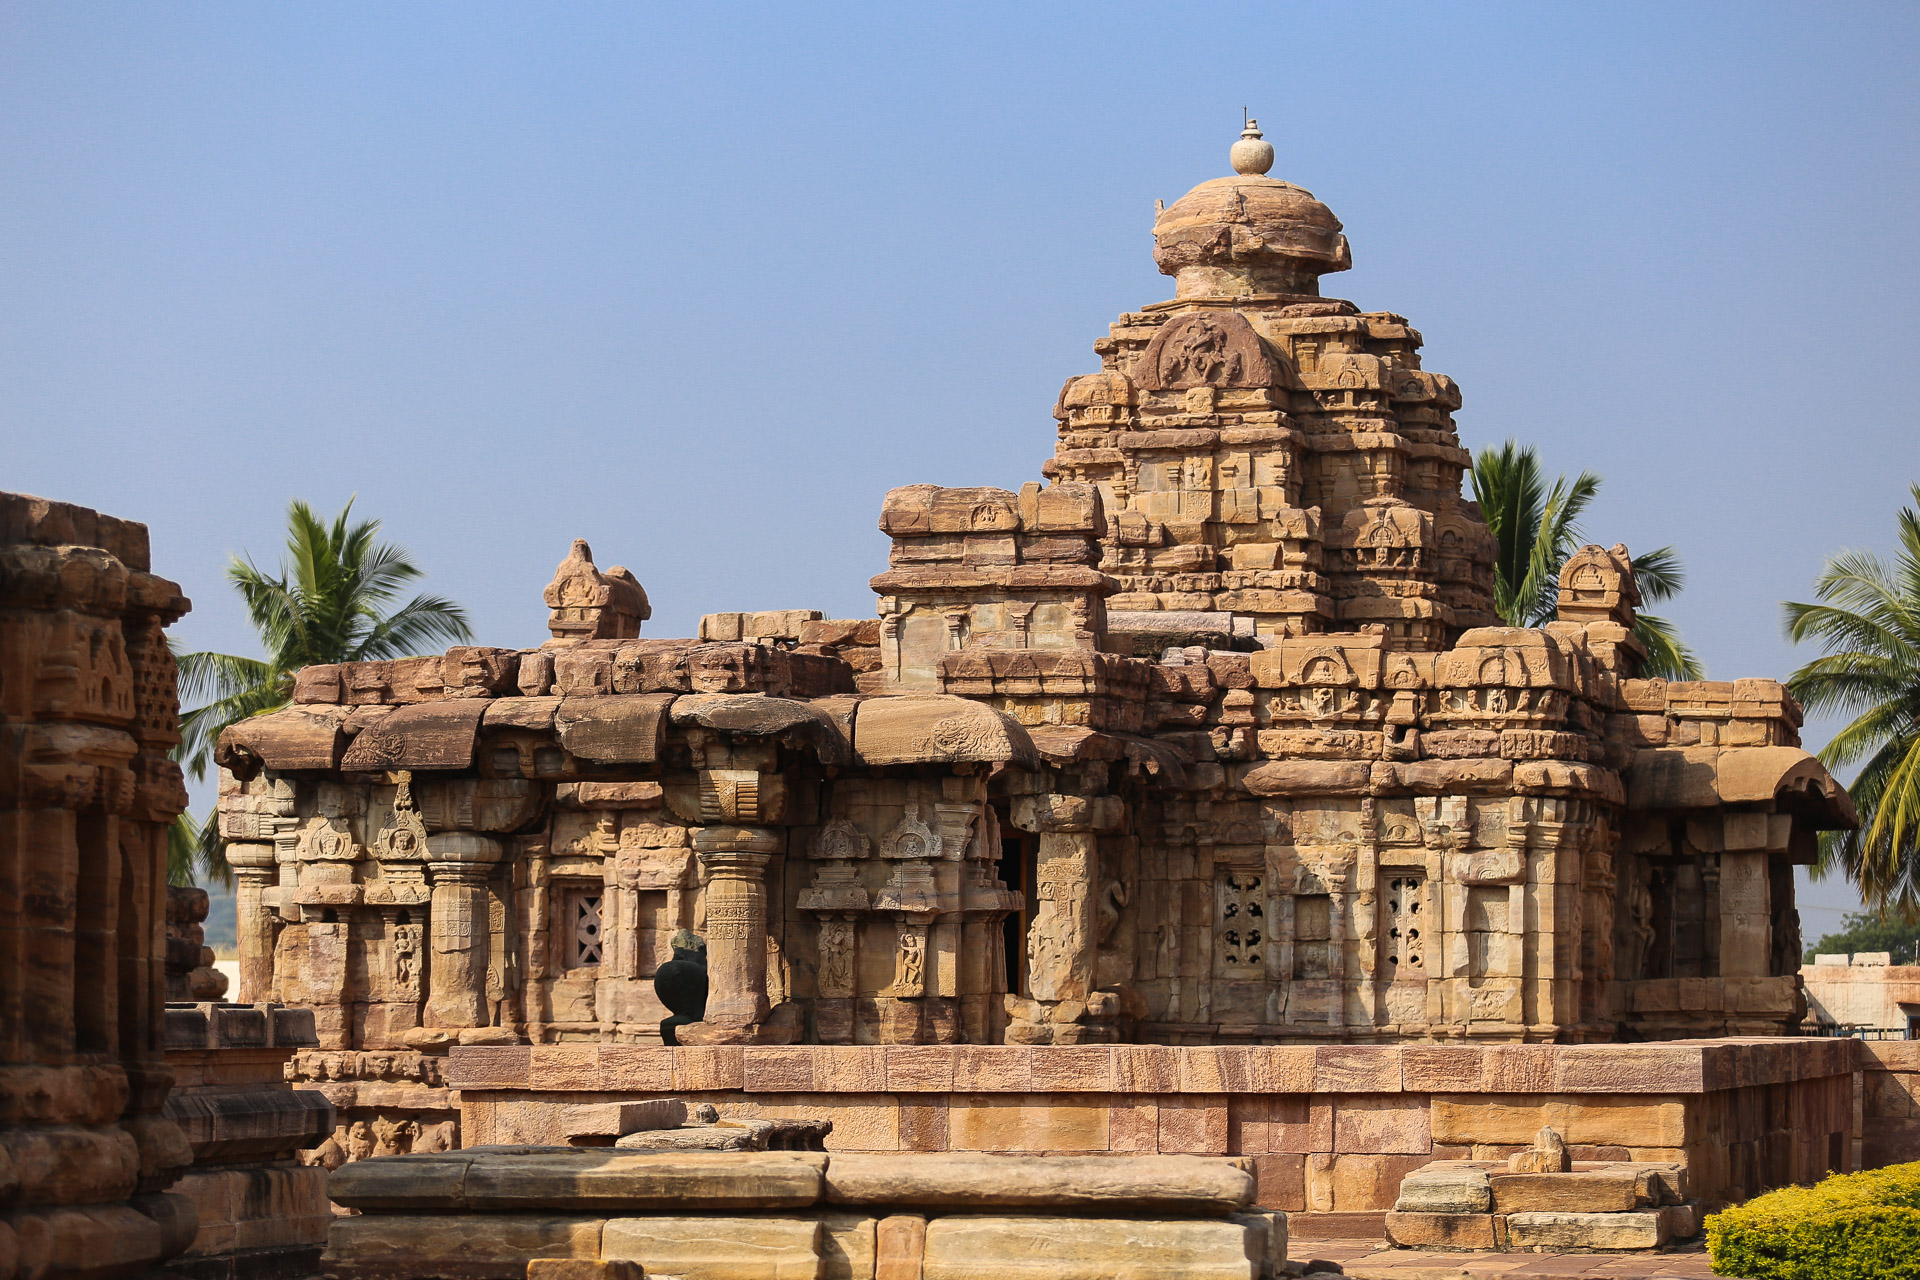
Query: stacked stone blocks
point(87, 791)
point(1330, 1130)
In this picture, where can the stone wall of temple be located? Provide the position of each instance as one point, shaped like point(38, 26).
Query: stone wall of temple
point(1867, 993)
point(499, 846)
point(87, 791)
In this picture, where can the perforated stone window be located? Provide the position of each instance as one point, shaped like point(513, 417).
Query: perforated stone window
point(1406, 919)
point(583, 927)
point(1240, 929)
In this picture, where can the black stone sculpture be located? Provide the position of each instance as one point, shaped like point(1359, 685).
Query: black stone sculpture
point(681, 984)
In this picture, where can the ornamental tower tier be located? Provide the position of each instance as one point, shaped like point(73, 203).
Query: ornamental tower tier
point(1272, 462)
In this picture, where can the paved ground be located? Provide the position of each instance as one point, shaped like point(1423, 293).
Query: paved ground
point(1374, 1260)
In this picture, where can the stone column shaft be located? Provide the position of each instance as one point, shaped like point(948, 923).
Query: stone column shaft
point(460, 862)
point(735, 859)
point(253, 870)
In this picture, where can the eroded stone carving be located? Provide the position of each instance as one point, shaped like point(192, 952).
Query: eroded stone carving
point(587, 604)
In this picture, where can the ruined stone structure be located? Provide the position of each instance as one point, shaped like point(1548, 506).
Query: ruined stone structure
point(87, 715)
point(263, 1213)
point(1213, 739)
point(189, 960)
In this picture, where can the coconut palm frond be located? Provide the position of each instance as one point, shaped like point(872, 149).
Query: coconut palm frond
point(1511, 491)
point(327, 603)
point(1558, 538)
point(194, 852)
point(209, 676)
point(1867, 618)
point(1659, 574)
point(422, 621)
point(183, 842)
point(1866, 733)
point(1536, 528)
point(1667, 654)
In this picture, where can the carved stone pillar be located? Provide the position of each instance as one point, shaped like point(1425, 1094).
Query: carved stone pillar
point(1060, 938)
point(253, 870)
point(735, 859)
point(1746, 935)
point(460, 862)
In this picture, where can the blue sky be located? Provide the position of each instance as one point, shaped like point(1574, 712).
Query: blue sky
point(700, 283)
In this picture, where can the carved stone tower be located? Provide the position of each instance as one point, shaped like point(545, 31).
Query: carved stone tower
point(1273, 461)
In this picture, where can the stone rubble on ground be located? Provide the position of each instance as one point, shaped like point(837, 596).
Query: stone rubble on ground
point(1541, 1200)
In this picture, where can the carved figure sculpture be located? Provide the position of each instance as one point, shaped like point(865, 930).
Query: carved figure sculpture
point(910, 977)
point(360, 1140)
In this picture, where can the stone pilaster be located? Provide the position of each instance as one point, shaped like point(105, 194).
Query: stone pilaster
point(735, 862)
point(254, 869)
point(460, 863)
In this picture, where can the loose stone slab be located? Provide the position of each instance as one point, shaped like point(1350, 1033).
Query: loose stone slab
point(1586, 1230)
point(849, 1245)
point(983, 1248)
point(719, 1248)
point(583, 1269)
point(1683, 1221)
point(614, 1180)
point(499, 1246)
point(1441, 1230)
point(959, 1180)
point(1599, 1191)
point(705, 1137)
point(1274, 1224)
point(612, 1119)
point(1445, 1191)
point(421, 1182)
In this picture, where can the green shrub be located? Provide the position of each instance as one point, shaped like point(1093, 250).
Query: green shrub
point(1860, 1226)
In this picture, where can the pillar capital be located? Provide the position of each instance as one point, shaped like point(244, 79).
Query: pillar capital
point(252, 862)
point(462, 857)
point(718, 846)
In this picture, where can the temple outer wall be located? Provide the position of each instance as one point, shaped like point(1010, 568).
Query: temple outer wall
point(1886, 1103)
point(1331, 1130)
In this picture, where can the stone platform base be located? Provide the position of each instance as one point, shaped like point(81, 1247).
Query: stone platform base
point(1375, 1259)
point(1329, 1129)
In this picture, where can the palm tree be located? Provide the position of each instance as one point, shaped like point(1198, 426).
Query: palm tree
point(328, 604)
point(1537, 527)
point(1868, 620)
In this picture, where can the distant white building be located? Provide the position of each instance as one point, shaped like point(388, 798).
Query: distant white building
point(1864, 991)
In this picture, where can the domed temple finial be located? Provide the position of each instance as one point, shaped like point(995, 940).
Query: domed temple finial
point(1253, 154)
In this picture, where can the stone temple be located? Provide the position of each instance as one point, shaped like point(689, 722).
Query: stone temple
point(1192, 801)
point(1213, 738)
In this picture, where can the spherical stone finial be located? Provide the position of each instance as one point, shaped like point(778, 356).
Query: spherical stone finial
point(1253, 154)
point(1249, 232)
